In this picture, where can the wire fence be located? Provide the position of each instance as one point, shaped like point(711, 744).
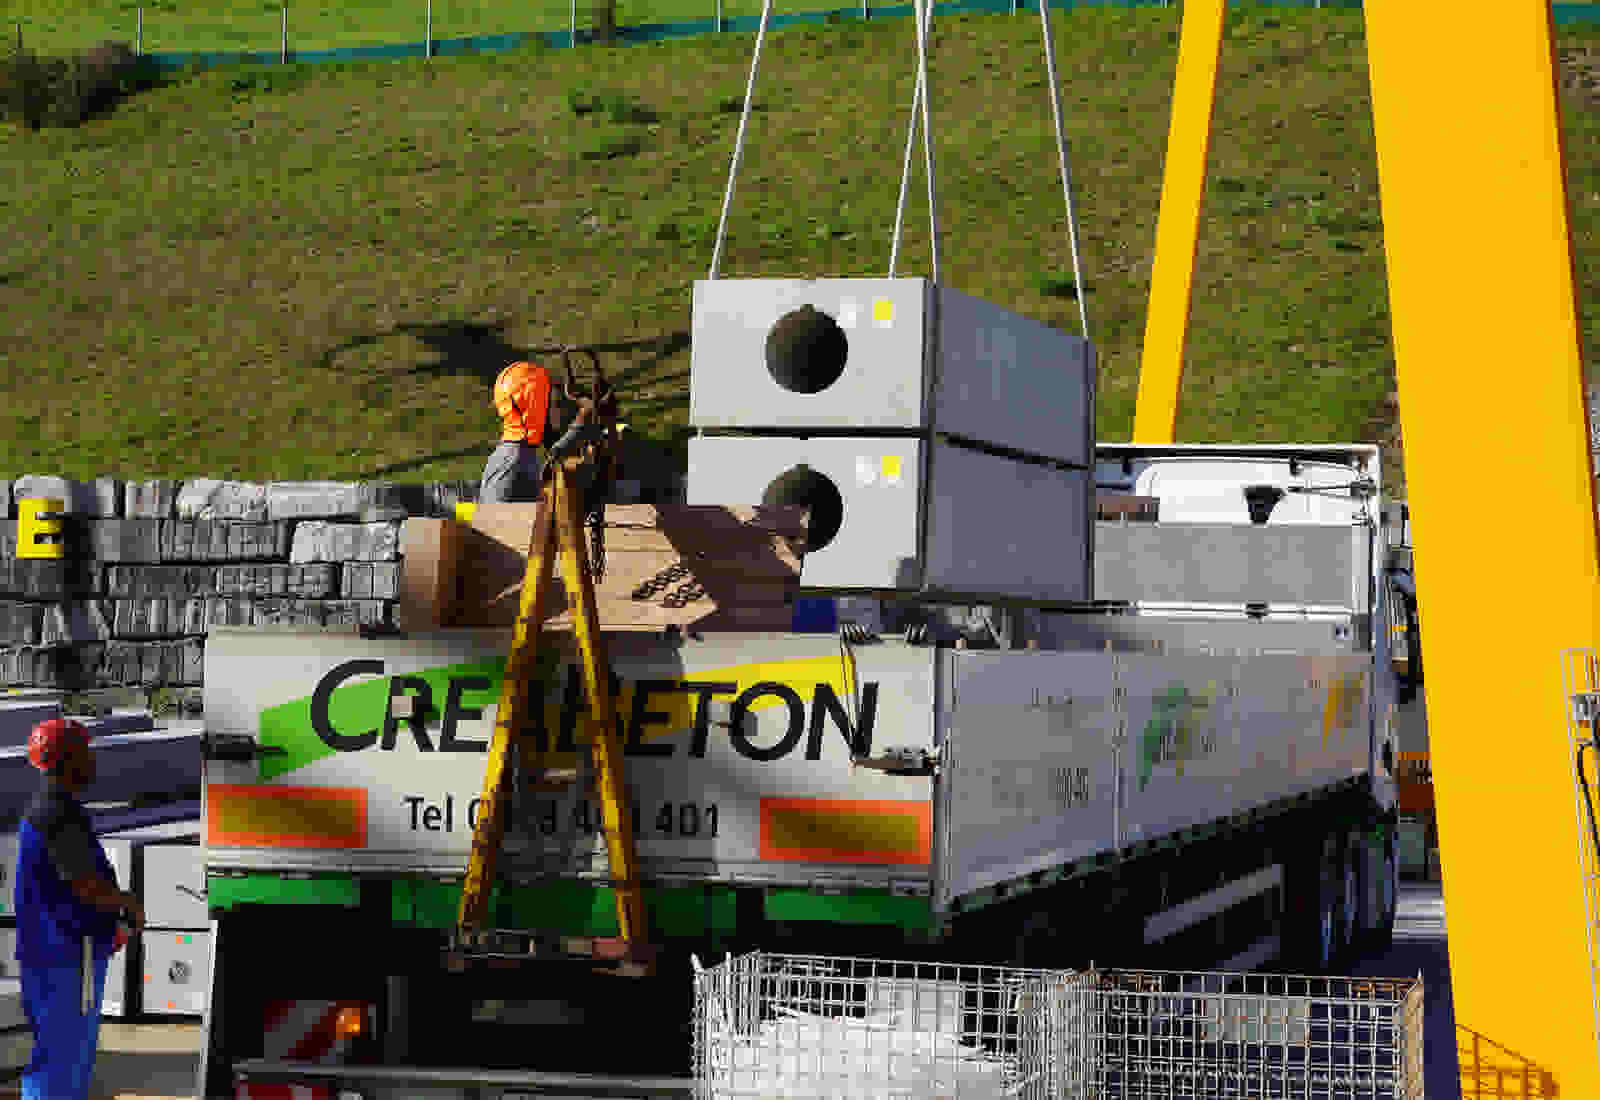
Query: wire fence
point(280, 31)
point(211, 32)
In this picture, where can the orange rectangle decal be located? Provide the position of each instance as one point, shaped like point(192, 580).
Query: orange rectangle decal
point(259, 815)
point(826, 830)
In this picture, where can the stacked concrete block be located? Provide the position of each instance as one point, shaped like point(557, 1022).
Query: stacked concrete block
point(20, 623)
point(234, 611)
point(29, 666)
point(74, 622)
point(150, 499)
point(370, 580)
point(159, 617)
point(100, 499)
point(314, 500)
point(317, 541)
point(382, 502)
point(308, 581)
point(275, 611)
point(213, 540)
point(205, 498)
point(129, 582)
point(350, 614)
point(34, 579)
point(153, 565)
point(124, 540)
point(159, 663)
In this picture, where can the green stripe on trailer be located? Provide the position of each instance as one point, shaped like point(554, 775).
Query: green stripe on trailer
point(226, 891)
point(912, 914)
point(568, 908)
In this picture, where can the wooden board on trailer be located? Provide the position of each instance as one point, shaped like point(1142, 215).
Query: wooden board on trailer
point(702, 568)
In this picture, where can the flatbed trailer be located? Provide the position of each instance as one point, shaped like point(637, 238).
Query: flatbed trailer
point(1189, 783)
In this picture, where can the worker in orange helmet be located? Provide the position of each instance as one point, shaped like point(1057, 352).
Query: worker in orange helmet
point(68, 908)
point(522, 397)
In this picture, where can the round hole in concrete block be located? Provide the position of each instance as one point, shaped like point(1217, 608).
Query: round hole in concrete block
point(803, 487)
point(806, 351)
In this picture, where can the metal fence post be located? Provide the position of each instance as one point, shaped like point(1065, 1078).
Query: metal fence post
point(138, 32)
point(428, 46)
point(719, 16)
point(572, 30)
point(283, 44)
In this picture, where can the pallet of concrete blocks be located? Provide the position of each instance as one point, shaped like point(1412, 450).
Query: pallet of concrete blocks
point(666, 565)
point(941, 445)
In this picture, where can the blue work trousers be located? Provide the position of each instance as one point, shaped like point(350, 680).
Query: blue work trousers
point(65, 1038)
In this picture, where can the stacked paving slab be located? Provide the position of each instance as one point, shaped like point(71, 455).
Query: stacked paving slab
point(152, 566)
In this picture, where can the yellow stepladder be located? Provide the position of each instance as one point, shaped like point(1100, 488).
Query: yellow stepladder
point(558, 530)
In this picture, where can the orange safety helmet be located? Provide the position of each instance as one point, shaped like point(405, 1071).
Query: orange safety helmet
point(53, 741)
point(522, 398)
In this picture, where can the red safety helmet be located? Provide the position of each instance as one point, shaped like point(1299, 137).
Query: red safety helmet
point(51, 743)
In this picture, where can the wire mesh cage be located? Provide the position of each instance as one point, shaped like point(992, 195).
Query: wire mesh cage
point(1224, 1034)
point(808, 1027)
point(1581, 684)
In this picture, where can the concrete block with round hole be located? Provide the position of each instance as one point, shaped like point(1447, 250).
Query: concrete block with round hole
point(897, 514)
point(902, 356)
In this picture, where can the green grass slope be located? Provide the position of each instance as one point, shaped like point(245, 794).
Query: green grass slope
point(290, 274)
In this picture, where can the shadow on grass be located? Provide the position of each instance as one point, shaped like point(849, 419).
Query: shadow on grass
point(379, 472)
point(481, 351)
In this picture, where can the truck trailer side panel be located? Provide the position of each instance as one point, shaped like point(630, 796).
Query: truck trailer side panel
point(738, 757)
point(1052, 757)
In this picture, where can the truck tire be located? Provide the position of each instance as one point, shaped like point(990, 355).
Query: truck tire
point(1347, 919)
point(1387, 893)
point(1311, 905)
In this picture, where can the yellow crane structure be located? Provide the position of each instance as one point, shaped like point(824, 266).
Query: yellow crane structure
point(1470, 162)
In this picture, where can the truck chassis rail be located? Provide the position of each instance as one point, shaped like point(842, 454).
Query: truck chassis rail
point(547, 1084)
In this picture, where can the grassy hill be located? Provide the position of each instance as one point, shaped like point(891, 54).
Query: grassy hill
point(289, 273)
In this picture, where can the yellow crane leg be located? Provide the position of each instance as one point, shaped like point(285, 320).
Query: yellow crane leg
point(615, 810)
point(515, 688)
point(1489, 363)
point(1155, 414)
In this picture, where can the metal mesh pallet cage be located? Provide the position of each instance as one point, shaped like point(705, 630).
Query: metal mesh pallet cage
point(812, 1027)
point(1581, 684)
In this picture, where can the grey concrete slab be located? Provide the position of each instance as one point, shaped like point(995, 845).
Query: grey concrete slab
point(125, 540)
point(317, 541)
point(172, 581)
point(101, 498)
point(314, 499)
point(208, 498)
point(150, 499)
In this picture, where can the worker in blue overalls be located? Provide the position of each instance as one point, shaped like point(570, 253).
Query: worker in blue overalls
point(68, 908)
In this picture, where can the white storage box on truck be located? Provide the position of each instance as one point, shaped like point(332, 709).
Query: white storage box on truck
point(1201, 781)
point(153, 861)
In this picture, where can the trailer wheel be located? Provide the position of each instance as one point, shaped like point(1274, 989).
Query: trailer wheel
point(1311, 910)
point(1388, 893)
point(1347, 932)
